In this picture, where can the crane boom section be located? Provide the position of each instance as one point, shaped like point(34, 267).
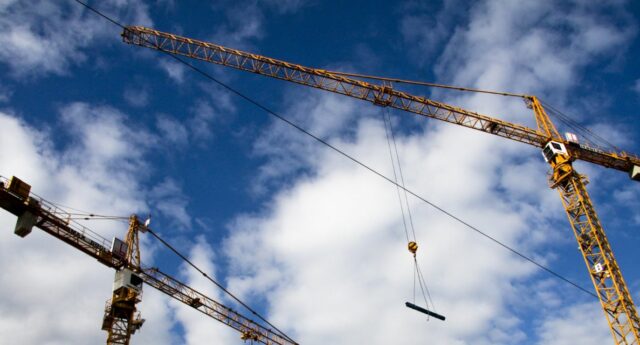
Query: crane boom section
point(378, 94)
point(325, 80)
point(183, 293)
point(47, 218)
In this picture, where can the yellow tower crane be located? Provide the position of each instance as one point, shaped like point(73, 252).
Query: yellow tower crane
point(121, 318)
point(560, 153)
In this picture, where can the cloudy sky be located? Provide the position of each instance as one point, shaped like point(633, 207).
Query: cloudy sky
point(304, 235)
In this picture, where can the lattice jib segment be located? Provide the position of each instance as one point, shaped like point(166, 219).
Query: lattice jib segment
point(207, 306)
point(341, 84)
point(320, 79)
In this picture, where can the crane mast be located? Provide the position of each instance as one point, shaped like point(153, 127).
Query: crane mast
point(604, 271)
point(121, 318)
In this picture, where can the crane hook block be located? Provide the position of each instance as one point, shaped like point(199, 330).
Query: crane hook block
point(424, 311)
point(413, 247)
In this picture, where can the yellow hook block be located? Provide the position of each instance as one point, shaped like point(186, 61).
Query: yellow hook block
point(413, 247)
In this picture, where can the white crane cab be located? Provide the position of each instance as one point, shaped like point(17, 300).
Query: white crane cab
point(126, 278)
point(634, 173)
point(552, 149)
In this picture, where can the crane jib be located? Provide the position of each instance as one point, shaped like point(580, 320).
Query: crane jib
point(382, 95)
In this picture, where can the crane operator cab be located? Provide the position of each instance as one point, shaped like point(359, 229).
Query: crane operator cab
point(552, 149)
point(634, 173)
point(127, 278)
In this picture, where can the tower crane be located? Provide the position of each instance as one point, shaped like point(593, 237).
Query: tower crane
point(121, 318)
point(558, 152)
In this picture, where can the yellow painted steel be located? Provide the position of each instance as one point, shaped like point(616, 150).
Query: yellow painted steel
point(607, 279)
point(120, 315)
point(603, 269)
point(413, 247)
point(121, 319)
point(542, 119)
point(382, 94)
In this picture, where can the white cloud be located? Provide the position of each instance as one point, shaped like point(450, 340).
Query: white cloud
point(198, 126)
point(325, 115)
point(332, 263)
point(159, 317)
point(136, 96)
point(630, 198)
point(107, 152)
point(614, 135)
point(41, 37)
point(335, 240)
point(244, 23)
point(328, 252)
point(5, 94)
point(286, 6)
point(576, 324)
point(417, 16)
point(174, 70)
point(168, 199)
point(58, 293)
point(172, 131)
point(200, 123)
point(200, 329)
point(544, 47)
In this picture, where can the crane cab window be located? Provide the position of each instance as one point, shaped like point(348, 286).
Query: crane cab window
point(552, 149)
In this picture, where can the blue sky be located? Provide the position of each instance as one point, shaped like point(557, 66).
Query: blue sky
point(304, 235)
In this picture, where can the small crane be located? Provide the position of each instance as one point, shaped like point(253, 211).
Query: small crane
point(121, 318)
point(558, 152)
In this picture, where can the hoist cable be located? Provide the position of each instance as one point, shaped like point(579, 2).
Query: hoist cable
point(91, 215)
point(184, 258)
point(64, 208)
point(89, 218)
point(422, 83)
point(422, 281)
point(395, 177)
point(414, 284)
point(406, 198)
point(113, 21)
point(356, 161)
point(574, 124)
point(190, 263)
point(389, 133)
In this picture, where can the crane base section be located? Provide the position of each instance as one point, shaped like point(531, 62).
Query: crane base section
point(424, 311)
